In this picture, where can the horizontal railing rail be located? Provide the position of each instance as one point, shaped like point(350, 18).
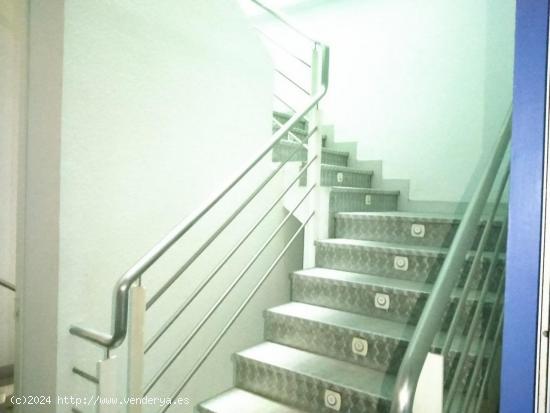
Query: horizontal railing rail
point(6, 284)
point(119, 312)
point(285, 21)
point(430, 321)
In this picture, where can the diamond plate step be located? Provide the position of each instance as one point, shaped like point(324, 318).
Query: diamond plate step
point(332, 175)
point(300, 379)
point(344, 199)
point(237, 400)
point(331, 333)
point(406, 228)
point(363, 293)
point(414, 263)
point(284, 149)
point(284, 117)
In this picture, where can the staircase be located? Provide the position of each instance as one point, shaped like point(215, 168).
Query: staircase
point(383, 290)
point(340, 342)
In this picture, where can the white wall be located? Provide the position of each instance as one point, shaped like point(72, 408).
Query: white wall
point(423, 86)
point(162, 103)
point(12, 55)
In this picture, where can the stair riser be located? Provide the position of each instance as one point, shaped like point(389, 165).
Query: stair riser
point(404, 307)
point(422, 267)
point(329, 177)
point(392, 229)
point(342, 201)
point(283, 118)
point(283, 151)
point(300, 391)
point(385, 353)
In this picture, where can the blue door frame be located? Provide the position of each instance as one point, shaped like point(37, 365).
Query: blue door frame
point(522, 279)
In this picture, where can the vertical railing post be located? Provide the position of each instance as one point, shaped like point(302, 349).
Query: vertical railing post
point(108, 389)
point(136, 348)
point(311, 233)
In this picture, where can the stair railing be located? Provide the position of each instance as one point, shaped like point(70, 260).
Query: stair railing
point(431, 319)
point(6, 284)
point(129, 303)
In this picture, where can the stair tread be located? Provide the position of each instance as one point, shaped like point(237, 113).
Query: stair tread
point(364, 190)
point(393, 247)
point(245, 402)
point(382, 281)
point(389, 246)
point(326, 150)
point(363, 323)
point(338, 373)
point(345, 319)
point(347, 169)
point(424, 216)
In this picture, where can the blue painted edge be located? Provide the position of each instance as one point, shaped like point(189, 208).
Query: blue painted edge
point(522, 276)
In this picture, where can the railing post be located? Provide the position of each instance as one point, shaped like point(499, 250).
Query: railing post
point(311, 232)
point(136, 348)
point(108, 386)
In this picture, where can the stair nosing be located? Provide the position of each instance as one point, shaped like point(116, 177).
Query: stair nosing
point(347, 169)
point(385, 282)
point(327, 378)
point(406, 249)
point(370, 190)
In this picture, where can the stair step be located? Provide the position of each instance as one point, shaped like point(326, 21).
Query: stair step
point(358, 293)
point(418, 263)
point(333, 175)
point(237, 400)
point(284, 117)
point(300, 379)
point(330, 333)
point(344, 199)
point(284, 149)
point(398, 227)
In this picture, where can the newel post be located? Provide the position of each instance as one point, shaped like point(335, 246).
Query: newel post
point(136, 348)
point(315, 143)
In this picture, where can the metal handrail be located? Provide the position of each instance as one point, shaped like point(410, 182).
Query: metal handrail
point(222, 263)
point(430, 320)
point(119, 312)
point(237, 313)
point(6, 284)
point(283, 48)
point(285, 21)
point(228, 290)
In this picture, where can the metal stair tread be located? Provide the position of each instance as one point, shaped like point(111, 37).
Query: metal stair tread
point(405, 215)
point(325, 150)
point(335, 372)
point(352, 321)
point(424, 216)
point(346, 169)
point(372, 191)
point(363, 324)
point(244, 402)
point(382, 281)
point(385, 246)
point(360, 278)
point(396, 248)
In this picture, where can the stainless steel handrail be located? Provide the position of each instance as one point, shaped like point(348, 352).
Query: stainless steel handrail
point(235, 281)
point(285, 21)
point(119, 312)
point(294, 82)
point(430, 320)
point(224, 260)
point(236, 314)
point(6, 284)
point(159, 293)
point(283, 48)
